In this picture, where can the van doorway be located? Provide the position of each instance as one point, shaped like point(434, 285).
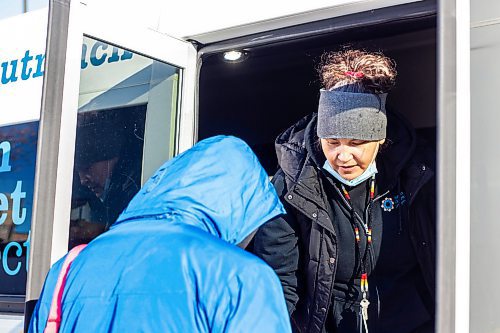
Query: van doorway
point(277, 84)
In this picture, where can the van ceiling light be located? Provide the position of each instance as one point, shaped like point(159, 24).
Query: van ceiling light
point(234, 56)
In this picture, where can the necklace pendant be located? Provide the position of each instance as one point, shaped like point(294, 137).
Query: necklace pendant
point(364, 308)
point(364, 313)
point(387, 204)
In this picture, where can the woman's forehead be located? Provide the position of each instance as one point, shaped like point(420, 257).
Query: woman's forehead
point(349, 140)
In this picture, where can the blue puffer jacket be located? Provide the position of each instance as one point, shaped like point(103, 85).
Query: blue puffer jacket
point(170, 264)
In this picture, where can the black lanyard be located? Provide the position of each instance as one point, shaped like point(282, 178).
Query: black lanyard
point(363, 261)
point(367, 227)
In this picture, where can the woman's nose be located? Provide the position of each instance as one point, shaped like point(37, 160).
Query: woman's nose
point(344, 155)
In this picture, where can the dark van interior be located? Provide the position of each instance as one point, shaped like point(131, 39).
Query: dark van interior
point(277, 83)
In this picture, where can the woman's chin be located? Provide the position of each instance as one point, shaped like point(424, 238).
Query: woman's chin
point(349, 174)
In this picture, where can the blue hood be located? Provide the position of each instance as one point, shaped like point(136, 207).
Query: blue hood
point(218, 186)
point(160, 268)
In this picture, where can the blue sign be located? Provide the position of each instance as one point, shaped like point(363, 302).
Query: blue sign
point(17, 174)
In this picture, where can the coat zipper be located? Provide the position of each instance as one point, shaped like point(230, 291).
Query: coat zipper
point(330, 302)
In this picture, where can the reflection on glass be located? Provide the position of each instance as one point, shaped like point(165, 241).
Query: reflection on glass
point(107, 168)
point(119, 90)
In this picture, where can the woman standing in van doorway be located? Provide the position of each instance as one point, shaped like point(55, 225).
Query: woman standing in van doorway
point(355, 251)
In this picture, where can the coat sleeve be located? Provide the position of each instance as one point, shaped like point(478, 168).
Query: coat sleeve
point(252, 301)
point(276, 242)
point(42, 307)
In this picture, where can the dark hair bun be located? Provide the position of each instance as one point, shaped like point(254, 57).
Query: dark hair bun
point(357, 71)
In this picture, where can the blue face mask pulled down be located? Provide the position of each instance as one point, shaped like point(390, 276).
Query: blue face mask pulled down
point(370, 171)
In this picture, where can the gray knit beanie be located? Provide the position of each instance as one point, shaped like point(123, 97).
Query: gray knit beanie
point(347, 115)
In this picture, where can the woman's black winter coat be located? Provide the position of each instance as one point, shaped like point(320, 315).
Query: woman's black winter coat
point(301, 245)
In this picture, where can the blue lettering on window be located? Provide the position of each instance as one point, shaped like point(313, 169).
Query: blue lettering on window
point(26, 72)
point(114, 57)
point(84, 62)
point(18, 213)
point(5, 148)
point(94, 60)
point(32, 66)
point(27, 244)
point(4, 208)
point(126, 55)
point(5, 70)
point(99, 52)
point(5, 256)
point(39, 65)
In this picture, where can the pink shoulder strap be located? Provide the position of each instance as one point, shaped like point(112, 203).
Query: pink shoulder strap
point(54, 320)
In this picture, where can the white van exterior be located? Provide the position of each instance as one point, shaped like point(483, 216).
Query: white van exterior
point(452, 42)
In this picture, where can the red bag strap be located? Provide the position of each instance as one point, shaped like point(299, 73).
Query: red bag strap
point(54, 320)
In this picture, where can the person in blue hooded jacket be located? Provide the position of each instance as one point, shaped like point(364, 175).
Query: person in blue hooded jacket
point(170, 262)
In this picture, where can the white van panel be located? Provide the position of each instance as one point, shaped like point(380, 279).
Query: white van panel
point(209, 21)
point(485, 182)
point(21, 70)
point(11, 323)
point(484, 10)
point(224, 20)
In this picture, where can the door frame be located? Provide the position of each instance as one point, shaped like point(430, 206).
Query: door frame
point(68, 22)
point(453, 174)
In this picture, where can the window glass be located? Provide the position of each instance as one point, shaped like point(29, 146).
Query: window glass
point(10, 8)
point(122, 96)
point(17, 174)
point(36, 4)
